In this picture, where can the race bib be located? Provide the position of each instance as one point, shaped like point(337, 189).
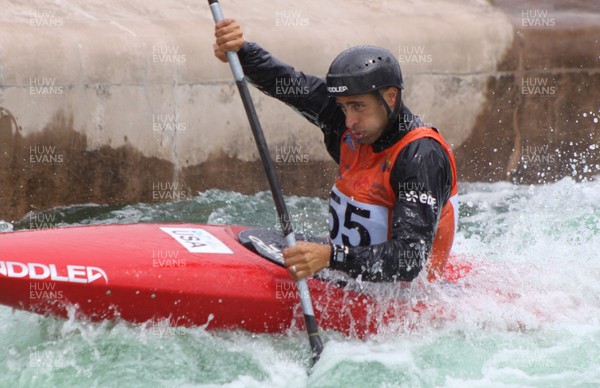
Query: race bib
point(355, 223)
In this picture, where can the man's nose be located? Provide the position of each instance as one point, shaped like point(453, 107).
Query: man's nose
point(351, 119)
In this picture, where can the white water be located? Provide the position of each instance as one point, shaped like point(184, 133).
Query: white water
point(528, 315)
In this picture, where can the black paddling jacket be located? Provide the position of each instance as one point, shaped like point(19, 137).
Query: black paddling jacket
point(422, 163)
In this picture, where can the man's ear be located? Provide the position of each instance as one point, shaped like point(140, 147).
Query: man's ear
point(391, 95)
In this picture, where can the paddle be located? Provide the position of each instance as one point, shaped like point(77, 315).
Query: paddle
point(316, 344)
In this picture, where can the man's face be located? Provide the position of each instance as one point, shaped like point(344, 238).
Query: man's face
point(366, 117)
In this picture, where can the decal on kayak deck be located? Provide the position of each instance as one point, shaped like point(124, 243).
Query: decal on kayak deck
point(271, 243)
point(197, 240)
point(37, 271)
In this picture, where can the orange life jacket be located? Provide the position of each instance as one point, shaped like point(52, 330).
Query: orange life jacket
point(362, 199)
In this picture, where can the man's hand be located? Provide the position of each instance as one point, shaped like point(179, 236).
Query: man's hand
point(306, 259)
point(229, 38)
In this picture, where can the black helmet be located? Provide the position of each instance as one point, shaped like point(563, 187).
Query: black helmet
point(363, 69)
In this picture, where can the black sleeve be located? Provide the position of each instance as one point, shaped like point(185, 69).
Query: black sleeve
point(305, 93)
point(422, 178)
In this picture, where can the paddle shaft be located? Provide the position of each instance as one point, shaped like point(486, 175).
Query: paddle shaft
point(316, 344)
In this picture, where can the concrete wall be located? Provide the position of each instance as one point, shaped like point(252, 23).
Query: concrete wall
point(541, 119)
point(109, 102)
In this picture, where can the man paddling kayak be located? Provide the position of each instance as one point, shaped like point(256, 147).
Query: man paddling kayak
point(393, 209)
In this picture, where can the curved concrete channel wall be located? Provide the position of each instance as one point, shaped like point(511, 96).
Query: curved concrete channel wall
point(113, 102)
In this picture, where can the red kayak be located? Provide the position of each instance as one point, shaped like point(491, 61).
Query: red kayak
point(188, 274)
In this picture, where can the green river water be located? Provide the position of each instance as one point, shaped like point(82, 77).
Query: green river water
point(527, 316)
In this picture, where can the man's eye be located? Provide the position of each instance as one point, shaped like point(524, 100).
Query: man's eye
point(352, 107)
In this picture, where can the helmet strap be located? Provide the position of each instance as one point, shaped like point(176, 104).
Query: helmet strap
point(392, 115)
point(379, 96)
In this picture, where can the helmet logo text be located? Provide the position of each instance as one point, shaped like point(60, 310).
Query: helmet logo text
point(337, 89)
